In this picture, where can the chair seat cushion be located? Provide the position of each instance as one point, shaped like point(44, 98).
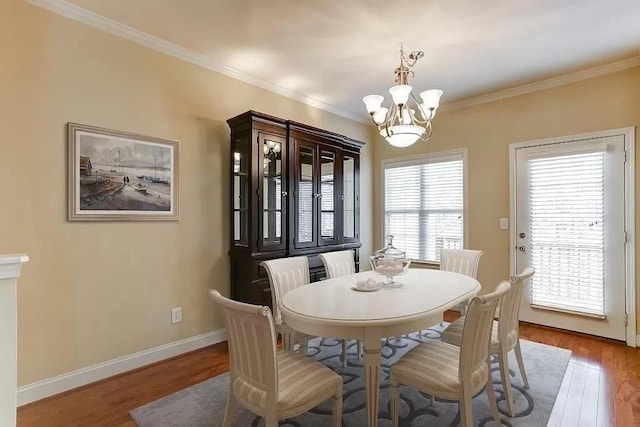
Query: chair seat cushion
point(300, 379)
point(433, 366)
point(453, 335)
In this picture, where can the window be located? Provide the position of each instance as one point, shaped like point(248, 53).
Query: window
point(424, 204)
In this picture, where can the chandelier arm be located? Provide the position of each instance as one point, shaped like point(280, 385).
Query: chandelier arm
point(419, 121)
point(384, 126)
point(386, 129)
point(391, 115)
point(430, 130)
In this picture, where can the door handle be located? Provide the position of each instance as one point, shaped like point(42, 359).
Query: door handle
point(522, 249)
point(522, 235)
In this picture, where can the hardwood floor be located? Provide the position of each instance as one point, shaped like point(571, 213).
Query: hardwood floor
point(601, 386)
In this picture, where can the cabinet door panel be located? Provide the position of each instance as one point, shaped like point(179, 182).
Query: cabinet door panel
point(240, 174)
point(306, 195)
point(272, 191)
point(350, 197)
point(327, 178)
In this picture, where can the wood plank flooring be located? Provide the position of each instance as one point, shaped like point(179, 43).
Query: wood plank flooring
point(601, 387)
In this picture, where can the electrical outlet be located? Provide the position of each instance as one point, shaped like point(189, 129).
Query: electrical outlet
point(176, 315)
point(504, 223)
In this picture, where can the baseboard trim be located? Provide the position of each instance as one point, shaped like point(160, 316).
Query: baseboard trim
point(60, 383)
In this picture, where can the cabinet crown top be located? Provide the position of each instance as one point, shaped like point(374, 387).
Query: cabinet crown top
point(290, 125)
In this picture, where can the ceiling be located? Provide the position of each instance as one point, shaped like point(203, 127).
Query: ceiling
point(335, 52)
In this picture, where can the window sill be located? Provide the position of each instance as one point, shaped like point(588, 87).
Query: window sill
point(425, 264)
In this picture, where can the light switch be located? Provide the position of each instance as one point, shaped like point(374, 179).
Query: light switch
point(504, 223)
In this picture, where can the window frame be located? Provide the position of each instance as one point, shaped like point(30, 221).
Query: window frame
point(421, 159)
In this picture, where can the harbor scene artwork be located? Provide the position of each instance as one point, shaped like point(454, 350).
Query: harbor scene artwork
point(121, 176)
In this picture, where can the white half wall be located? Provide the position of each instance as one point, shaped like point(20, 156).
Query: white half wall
point(10, 266)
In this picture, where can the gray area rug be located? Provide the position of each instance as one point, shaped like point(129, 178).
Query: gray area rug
point(203, 404)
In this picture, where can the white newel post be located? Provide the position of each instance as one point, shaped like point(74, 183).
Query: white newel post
point(10, 266)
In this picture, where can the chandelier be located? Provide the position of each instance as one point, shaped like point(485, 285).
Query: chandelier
point(400, 125)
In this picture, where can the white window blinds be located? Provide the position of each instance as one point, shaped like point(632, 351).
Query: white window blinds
point(566, 201)
point(424, 202)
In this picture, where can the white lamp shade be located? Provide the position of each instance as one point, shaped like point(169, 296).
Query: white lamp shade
point(402, 135)
point(373, 102)
point(400, 93)
point(380, 115)
point(431, 98)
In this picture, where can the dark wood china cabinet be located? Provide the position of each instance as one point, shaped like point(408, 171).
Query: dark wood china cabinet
point(295, 190)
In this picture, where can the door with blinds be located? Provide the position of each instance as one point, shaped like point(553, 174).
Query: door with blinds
point(570, 226)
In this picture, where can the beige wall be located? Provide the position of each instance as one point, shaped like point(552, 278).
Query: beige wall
point(607, 102)
point(96, 291)
point(8, 373)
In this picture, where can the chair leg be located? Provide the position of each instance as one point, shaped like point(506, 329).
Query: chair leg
point(230, 410)
point(521, 365)
point(506, 381)
point(271, 420)
point(466, 410)
point(287, 341)
point(304, 346)
point(337, 408)
point(344, 353)
point(491, 396)
point(463, 308)
point(394, 396)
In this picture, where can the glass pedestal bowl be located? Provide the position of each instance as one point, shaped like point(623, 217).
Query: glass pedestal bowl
point(390, 268)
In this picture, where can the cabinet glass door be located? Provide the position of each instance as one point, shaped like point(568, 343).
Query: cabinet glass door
point(305, 195)
point(349, 196)
point(241, 163)
point(327, 196)
point(272, 163)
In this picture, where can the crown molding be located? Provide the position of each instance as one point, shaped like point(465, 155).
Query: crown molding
point(544, 84)
point(79, 14)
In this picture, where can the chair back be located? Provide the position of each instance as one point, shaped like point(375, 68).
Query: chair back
point(285, 274)
point(476, 333)
point(252, 346)
point(510, 305)
point(464, 261)
point(339, 263)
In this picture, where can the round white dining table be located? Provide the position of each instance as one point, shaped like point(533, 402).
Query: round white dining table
point(330, 308)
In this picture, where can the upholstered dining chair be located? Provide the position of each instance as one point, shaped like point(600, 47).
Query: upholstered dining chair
point(454, 373)
point(340, 263)
point(273, 384)
point(286, 274)
point(505, 334)
point(337, 264)
point(463, 261)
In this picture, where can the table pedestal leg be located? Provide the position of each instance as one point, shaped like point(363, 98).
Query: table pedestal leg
point(372, 379)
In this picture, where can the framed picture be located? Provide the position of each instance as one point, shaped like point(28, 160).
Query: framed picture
point(116, 175)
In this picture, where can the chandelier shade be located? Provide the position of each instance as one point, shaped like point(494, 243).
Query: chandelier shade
point(407, 120)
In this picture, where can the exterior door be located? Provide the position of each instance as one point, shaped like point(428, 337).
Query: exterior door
point(570, 226)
